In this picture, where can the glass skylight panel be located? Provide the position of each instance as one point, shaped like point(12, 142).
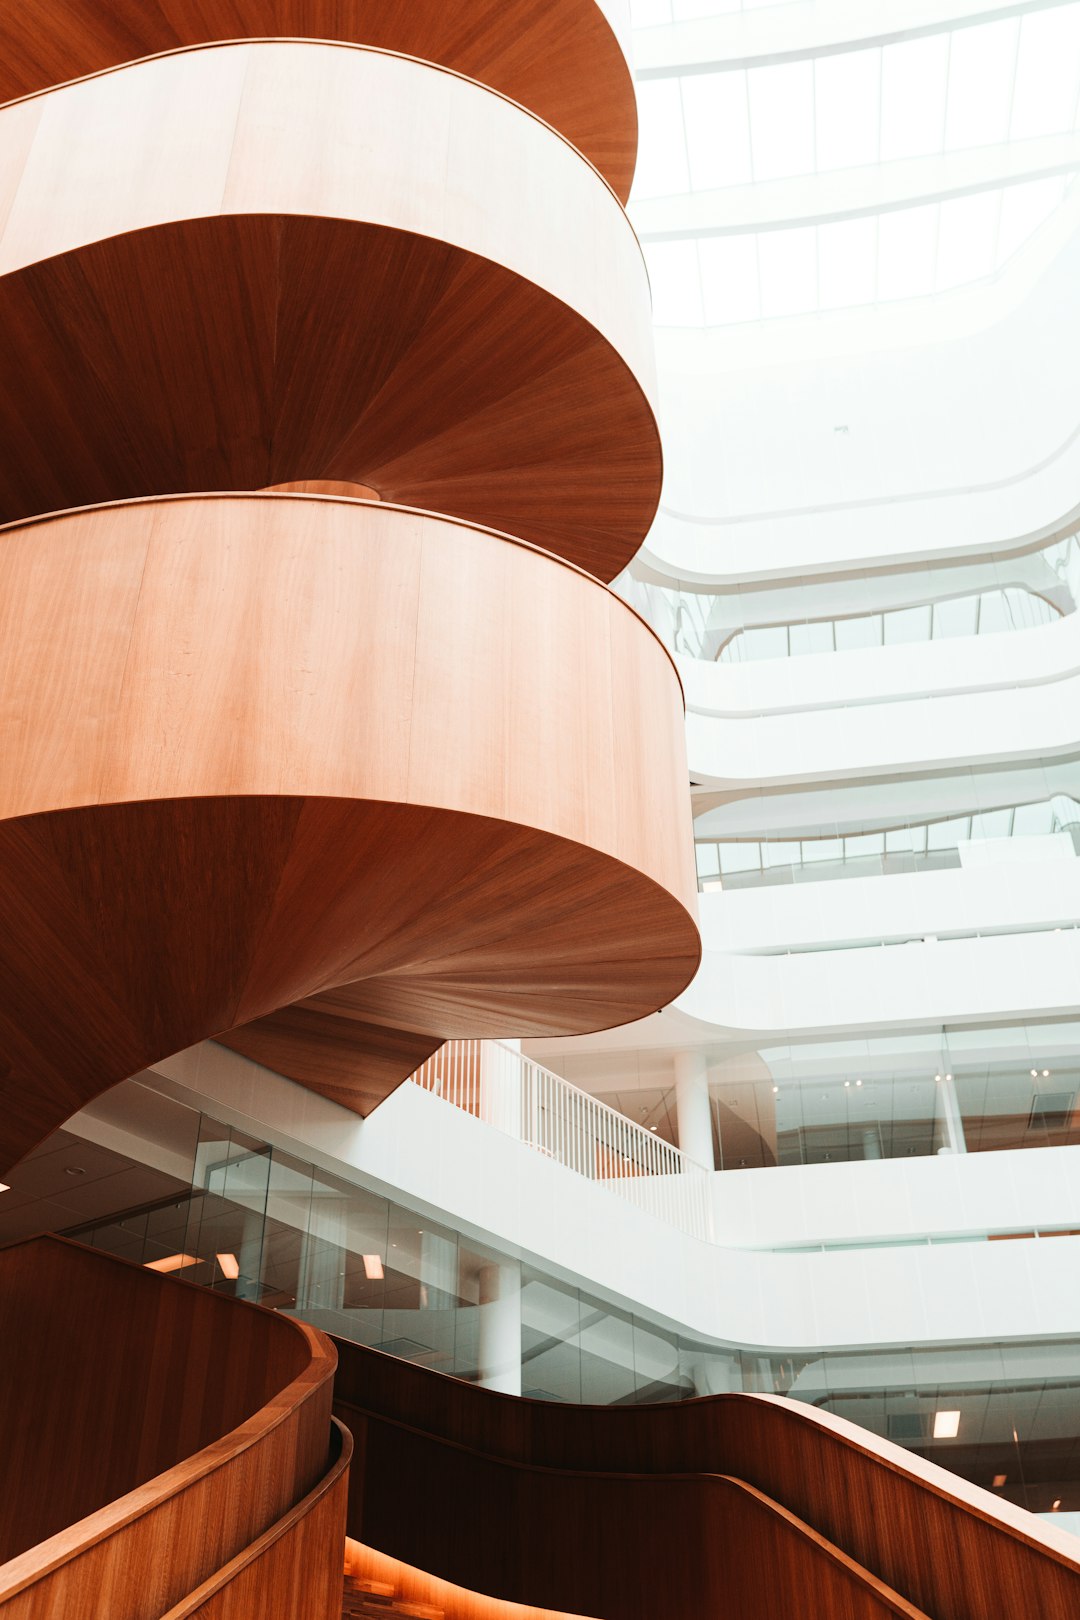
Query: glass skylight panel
point(847, 109)
point(847, 263)
point(717, 121)
point(662, 165)
point(782, 119)
point(788, 266)
point(1047, 73)
point(967, 239)
point(907, 248)
point(676, 283)
point(729, 279)
point(1023, 209)
point(981, 68)
point(914, 80)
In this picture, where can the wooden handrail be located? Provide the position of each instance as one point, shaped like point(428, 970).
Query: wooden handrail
point(150, 1425)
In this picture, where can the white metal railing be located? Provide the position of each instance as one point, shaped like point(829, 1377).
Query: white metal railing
point(508, 1090)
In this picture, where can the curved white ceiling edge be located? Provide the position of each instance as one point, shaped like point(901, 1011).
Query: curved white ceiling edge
point(970, 445)
point(905, 736)
point(877, 676)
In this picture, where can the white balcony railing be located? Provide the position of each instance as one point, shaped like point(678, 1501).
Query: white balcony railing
point(508, 1090)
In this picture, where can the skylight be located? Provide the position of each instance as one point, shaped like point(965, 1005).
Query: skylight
point(893, 113)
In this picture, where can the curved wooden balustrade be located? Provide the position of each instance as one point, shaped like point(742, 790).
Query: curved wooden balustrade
point(253, 264)
point(269, 749)
point(293, 1571)
point(153, 1433)
point(814, 1500)
point(562, 60)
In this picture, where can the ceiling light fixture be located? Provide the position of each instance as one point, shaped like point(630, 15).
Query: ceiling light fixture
point(1056, 1505)
point(1046, 1074)
point(230, 1266)
point(1034, 1074)
point(946, 1425)
point(172, 1262)
point(373, 1267)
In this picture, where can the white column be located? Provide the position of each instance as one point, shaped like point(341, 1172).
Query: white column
point(952, 1124)
point(498, 1318)
point(500, 1085)
point(692, 1108)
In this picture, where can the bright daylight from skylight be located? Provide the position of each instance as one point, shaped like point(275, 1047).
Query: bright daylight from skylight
point(855, 176)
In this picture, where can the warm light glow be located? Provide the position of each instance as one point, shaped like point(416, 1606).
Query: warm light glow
point(999, 1480)
point(1056, 1505)
point(230, 1266)
point(373, 1268)
point(946, 1425)
point(172, 1262)
point(4, 1187)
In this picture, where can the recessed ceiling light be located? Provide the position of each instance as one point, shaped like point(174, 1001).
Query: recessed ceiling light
point(1034, 1074)
point(1056, 1505)
point(373, 1267)
point(847, 1085)
point(948, 1077)
point(74, 1170)
point(230, 1266)
point(172, 1262)
point(1046, 1074)
point(937, 1077)
point(775, 1090)
point(999, 1480)
point(946, 1425)
point(858, 1082)
point(652, 1127)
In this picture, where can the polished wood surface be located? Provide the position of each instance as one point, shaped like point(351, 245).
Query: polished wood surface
point(257, 264)
point(562, 60)
point(293, 1572)
point(149, 1426)
point(398, 1583)
point(945, 1547)
point(268, 749)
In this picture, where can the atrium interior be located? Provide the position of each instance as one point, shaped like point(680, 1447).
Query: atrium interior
point(541, 808)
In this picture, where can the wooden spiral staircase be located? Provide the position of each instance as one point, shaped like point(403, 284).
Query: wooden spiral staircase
point(326, 399)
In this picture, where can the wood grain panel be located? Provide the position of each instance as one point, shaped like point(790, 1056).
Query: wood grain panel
point(149, 1425)
point(950, 1549)
point(208, 281)
point(255, 756)
point(562, 60)
point(293, 1572)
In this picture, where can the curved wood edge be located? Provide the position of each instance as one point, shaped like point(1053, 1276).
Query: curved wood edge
point(759, 1557)
point(332, 1485)
point(948, 1547)
point(343, 45)
point(48, 1556)
point(930, 1477)
point(18, 524)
